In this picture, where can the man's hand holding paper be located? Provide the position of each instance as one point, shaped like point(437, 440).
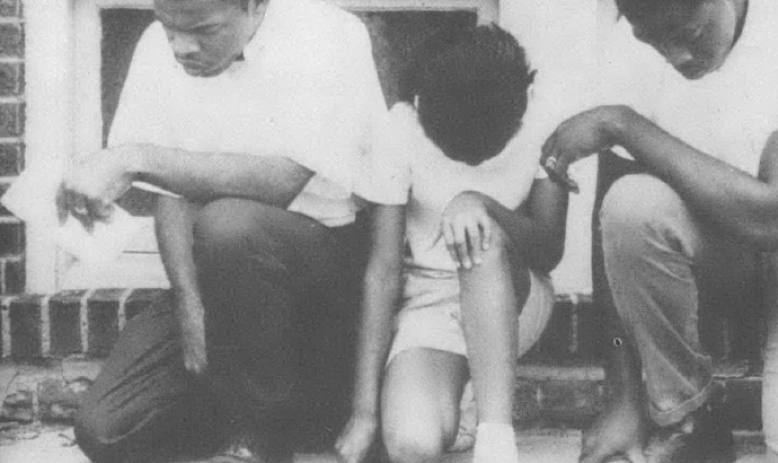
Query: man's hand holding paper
point(74, 206)
point(92, 184)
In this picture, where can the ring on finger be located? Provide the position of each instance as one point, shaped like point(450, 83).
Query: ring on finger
point(551, 163)
point(80, 210)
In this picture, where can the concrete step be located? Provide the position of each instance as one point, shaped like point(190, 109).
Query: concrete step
point(49, 444)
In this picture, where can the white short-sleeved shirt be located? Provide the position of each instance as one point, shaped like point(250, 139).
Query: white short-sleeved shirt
point(407, 168)
point(728, 114)
point(307, 89)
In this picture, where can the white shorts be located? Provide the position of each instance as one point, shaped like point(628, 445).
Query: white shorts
point(430, 316)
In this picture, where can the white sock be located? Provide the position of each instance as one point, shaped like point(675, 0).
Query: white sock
point(495, 443)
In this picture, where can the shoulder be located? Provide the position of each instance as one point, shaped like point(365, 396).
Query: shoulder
point(152, 48)
point(323, 21)
point(402, 124)
point(153, 40)
point(318, 39)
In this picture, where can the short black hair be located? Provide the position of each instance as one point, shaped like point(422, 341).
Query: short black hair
point(472, 89)
point(642, 8)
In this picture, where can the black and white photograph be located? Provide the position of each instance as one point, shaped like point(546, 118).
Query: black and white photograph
point(389, 231)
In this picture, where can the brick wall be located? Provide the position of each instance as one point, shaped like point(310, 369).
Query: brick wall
point(11, 140)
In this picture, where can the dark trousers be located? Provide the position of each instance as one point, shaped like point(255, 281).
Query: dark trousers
point(280, 296)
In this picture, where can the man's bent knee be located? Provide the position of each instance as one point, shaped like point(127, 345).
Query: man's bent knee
point(639, 202)
point(641, 212)
point(96, 433)
point(224, 224)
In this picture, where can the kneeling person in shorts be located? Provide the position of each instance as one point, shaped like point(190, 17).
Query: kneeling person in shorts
point(463, 239)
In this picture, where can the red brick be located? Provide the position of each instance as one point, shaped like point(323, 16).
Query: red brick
point(526, 408)
point(65, 317)
point(14, 276)
point(103, 313)
point(140, 299)
point(11, 40)
point(11, 79)
point(10, 8)
point(11, 159)
point(11, 119)
point(25, 317)
point(11, 239)
point(18, 406)
point(58, 401)
point(571, 401)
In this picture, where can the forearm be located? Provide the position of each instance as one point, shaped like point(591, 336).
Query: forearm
point(739, 203)
point(382, 289)
point(174, 236)
point(273, 180)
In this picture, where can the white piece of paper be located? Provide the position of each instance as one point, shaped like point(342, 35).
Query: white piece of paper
point(32, 198)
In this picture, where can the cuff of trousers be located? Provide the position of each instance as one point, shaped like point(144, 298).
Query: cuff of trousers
point(668, 417)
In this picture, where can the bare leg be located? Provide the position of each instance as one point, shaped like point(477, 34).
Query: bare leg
point(420, 403)
point(622, 429)
point(491, 294)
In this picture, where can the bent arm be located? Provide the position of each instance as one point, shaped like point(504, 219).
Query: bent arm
point(537, 228)
point(273, 180)
point(741, 204)
point(382, 289)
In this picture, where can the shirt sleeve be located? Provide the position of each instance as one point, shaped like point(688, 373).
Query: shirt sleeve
point(384, 173)
point(139, 117)
point(339, 101)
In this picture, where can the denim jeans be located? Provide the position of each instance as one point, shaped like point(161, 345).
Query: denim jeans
point(279, 296)
point(657, 254)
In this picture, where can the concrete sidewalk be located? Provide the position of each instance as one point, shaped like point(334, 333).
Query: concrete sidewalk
point(55, 444)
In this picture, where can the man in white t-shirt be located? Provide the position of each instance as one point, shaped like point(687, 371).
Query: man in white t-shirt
point(248, 117)
point(697, 117)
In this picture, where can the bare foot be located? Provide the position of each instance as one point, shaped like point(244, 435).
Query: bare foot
point(618, 434)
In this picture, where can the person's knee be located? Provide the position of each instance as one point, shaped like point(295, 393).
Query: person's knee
point(639, 207)
point(218, 225)
point(96, 432)
point(500, 245)
point(223, 228)
point(413, 442)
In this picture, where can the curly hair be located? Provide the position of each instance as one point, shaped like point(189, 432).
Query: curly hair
point(471, 90)
point(642, 8)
